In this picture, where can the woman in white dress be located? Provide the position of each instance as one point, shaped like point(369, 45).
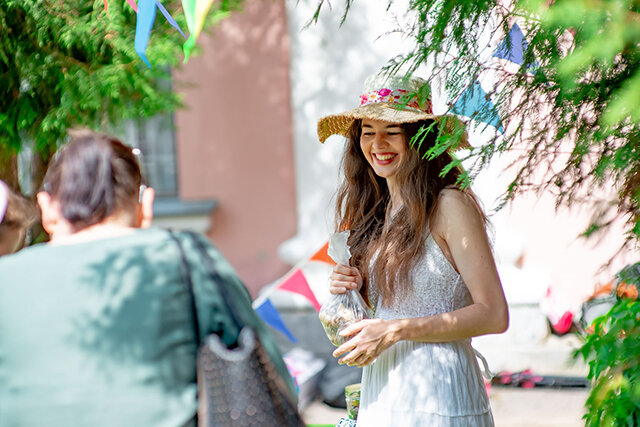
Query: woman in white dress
point(421, 258)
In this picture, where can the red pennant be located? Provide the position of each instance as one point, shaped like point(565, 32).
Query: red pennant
point(297, 283)
point(322, 255)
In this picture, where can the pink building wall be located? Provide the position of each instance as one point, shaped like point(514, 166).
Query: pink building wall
point(234, 139)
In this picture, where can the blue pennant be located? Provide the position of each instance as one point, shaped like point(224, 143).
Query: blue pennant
point(270, 315)
point(475, 104)
point(513, 48)
point(169, 18)
point(144, 24)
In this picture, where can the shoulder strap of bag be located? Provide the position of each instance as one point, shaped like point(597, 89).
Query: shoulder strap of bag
point(212, 270)
point(186, 275)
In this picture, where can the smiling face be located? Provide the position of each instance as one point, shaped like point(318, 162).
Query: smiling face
point(384, 146)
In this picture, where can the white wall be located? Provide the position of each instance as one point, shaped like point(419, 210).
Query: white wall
point(328, 65)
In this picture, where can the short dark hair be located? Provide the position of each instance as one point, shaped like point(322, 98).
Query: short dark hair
point(93, 176)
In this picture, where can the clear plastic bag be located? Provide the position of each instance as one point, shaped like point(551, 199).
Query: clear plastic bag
point(341, 310)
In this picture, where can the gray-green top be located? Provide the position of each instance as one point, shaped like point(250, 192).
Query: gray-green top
point(100, 333)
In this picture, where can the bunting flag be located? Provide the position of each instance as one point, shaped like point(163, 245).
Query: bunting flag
point(195, 11)
point(144, 23)
point(169, 18)
point(297, 283)
point(322, 255)
point(270, 315)
point(476, 104)
point(513, 48)
point(132, 3)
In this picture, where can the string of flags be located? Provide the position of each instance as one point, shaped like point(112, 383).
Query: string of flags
point(474, 102)
point(296, 282)
point(514, 47)
point(195, 12)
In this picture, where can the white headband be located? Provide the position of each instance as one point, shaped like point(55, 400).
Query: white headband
point(4, 199)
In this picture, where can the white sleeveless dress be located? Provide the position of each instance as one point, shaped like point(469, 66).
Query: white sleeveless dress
point(415, 384)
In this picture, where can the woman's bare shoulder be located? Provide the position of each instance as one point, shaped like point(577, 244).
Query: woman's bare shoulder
point(456, 208)
point(455, 199)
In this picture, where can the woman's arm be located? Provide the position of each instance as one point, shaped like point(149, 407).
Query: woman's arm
point(459, 230)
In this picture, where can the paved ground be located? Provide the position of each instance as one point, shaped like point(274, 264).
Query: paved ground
point(512, 407)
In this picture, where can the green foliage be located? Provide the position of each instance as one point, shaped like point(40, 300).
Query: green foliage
point(66, 63)
point(612, 352)
point(571, 108)
point(316, 15)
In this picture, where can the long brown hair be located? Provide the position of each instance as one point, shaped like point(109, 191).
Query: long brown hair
point(21, 212)
point(20, 215)
point(363, 203)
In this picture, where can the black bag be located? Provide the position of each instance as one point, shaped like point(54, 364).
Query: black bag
point(237, 386)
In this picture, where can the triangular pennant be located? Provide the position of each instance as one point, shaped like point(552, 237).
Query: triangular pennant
point(144, 23)
point(513, 48)
point(298, 284)
point(194, 11)
point(322, 255)
point(189, 9)
point(132, 3)
point(169, 18)
point(270, 315)
point(475, 104)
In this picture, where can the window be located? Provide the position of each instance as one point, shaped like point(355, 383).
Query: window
point(155, 136)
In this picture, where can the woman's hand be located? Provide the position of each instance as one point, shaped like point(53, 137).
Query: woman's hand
point(370, 337)
point(344, 278)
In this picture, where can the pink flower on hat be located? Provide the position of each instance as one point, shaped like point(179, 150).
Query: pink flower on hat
point(384, 92)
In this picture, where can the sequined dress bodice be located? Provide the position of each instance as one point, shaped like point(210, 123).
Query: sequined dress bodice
point(434, 288)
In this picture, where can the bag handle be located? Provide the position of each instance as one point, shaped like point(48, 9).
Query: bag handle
point(185, 270)
point(212, 271)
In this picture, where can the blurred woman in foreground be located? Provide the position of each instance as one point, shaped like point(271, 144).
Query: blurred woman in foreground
point(95, 326)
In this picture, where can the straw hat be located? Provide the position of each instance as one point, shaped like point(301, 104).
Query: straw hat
point(391, 99)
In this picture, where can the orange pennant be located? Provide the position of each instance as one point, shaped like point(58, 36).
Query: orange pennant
point(322, 255)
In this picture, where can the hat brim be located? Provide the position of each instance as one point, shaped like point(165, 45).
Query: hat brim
point(340, 124)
